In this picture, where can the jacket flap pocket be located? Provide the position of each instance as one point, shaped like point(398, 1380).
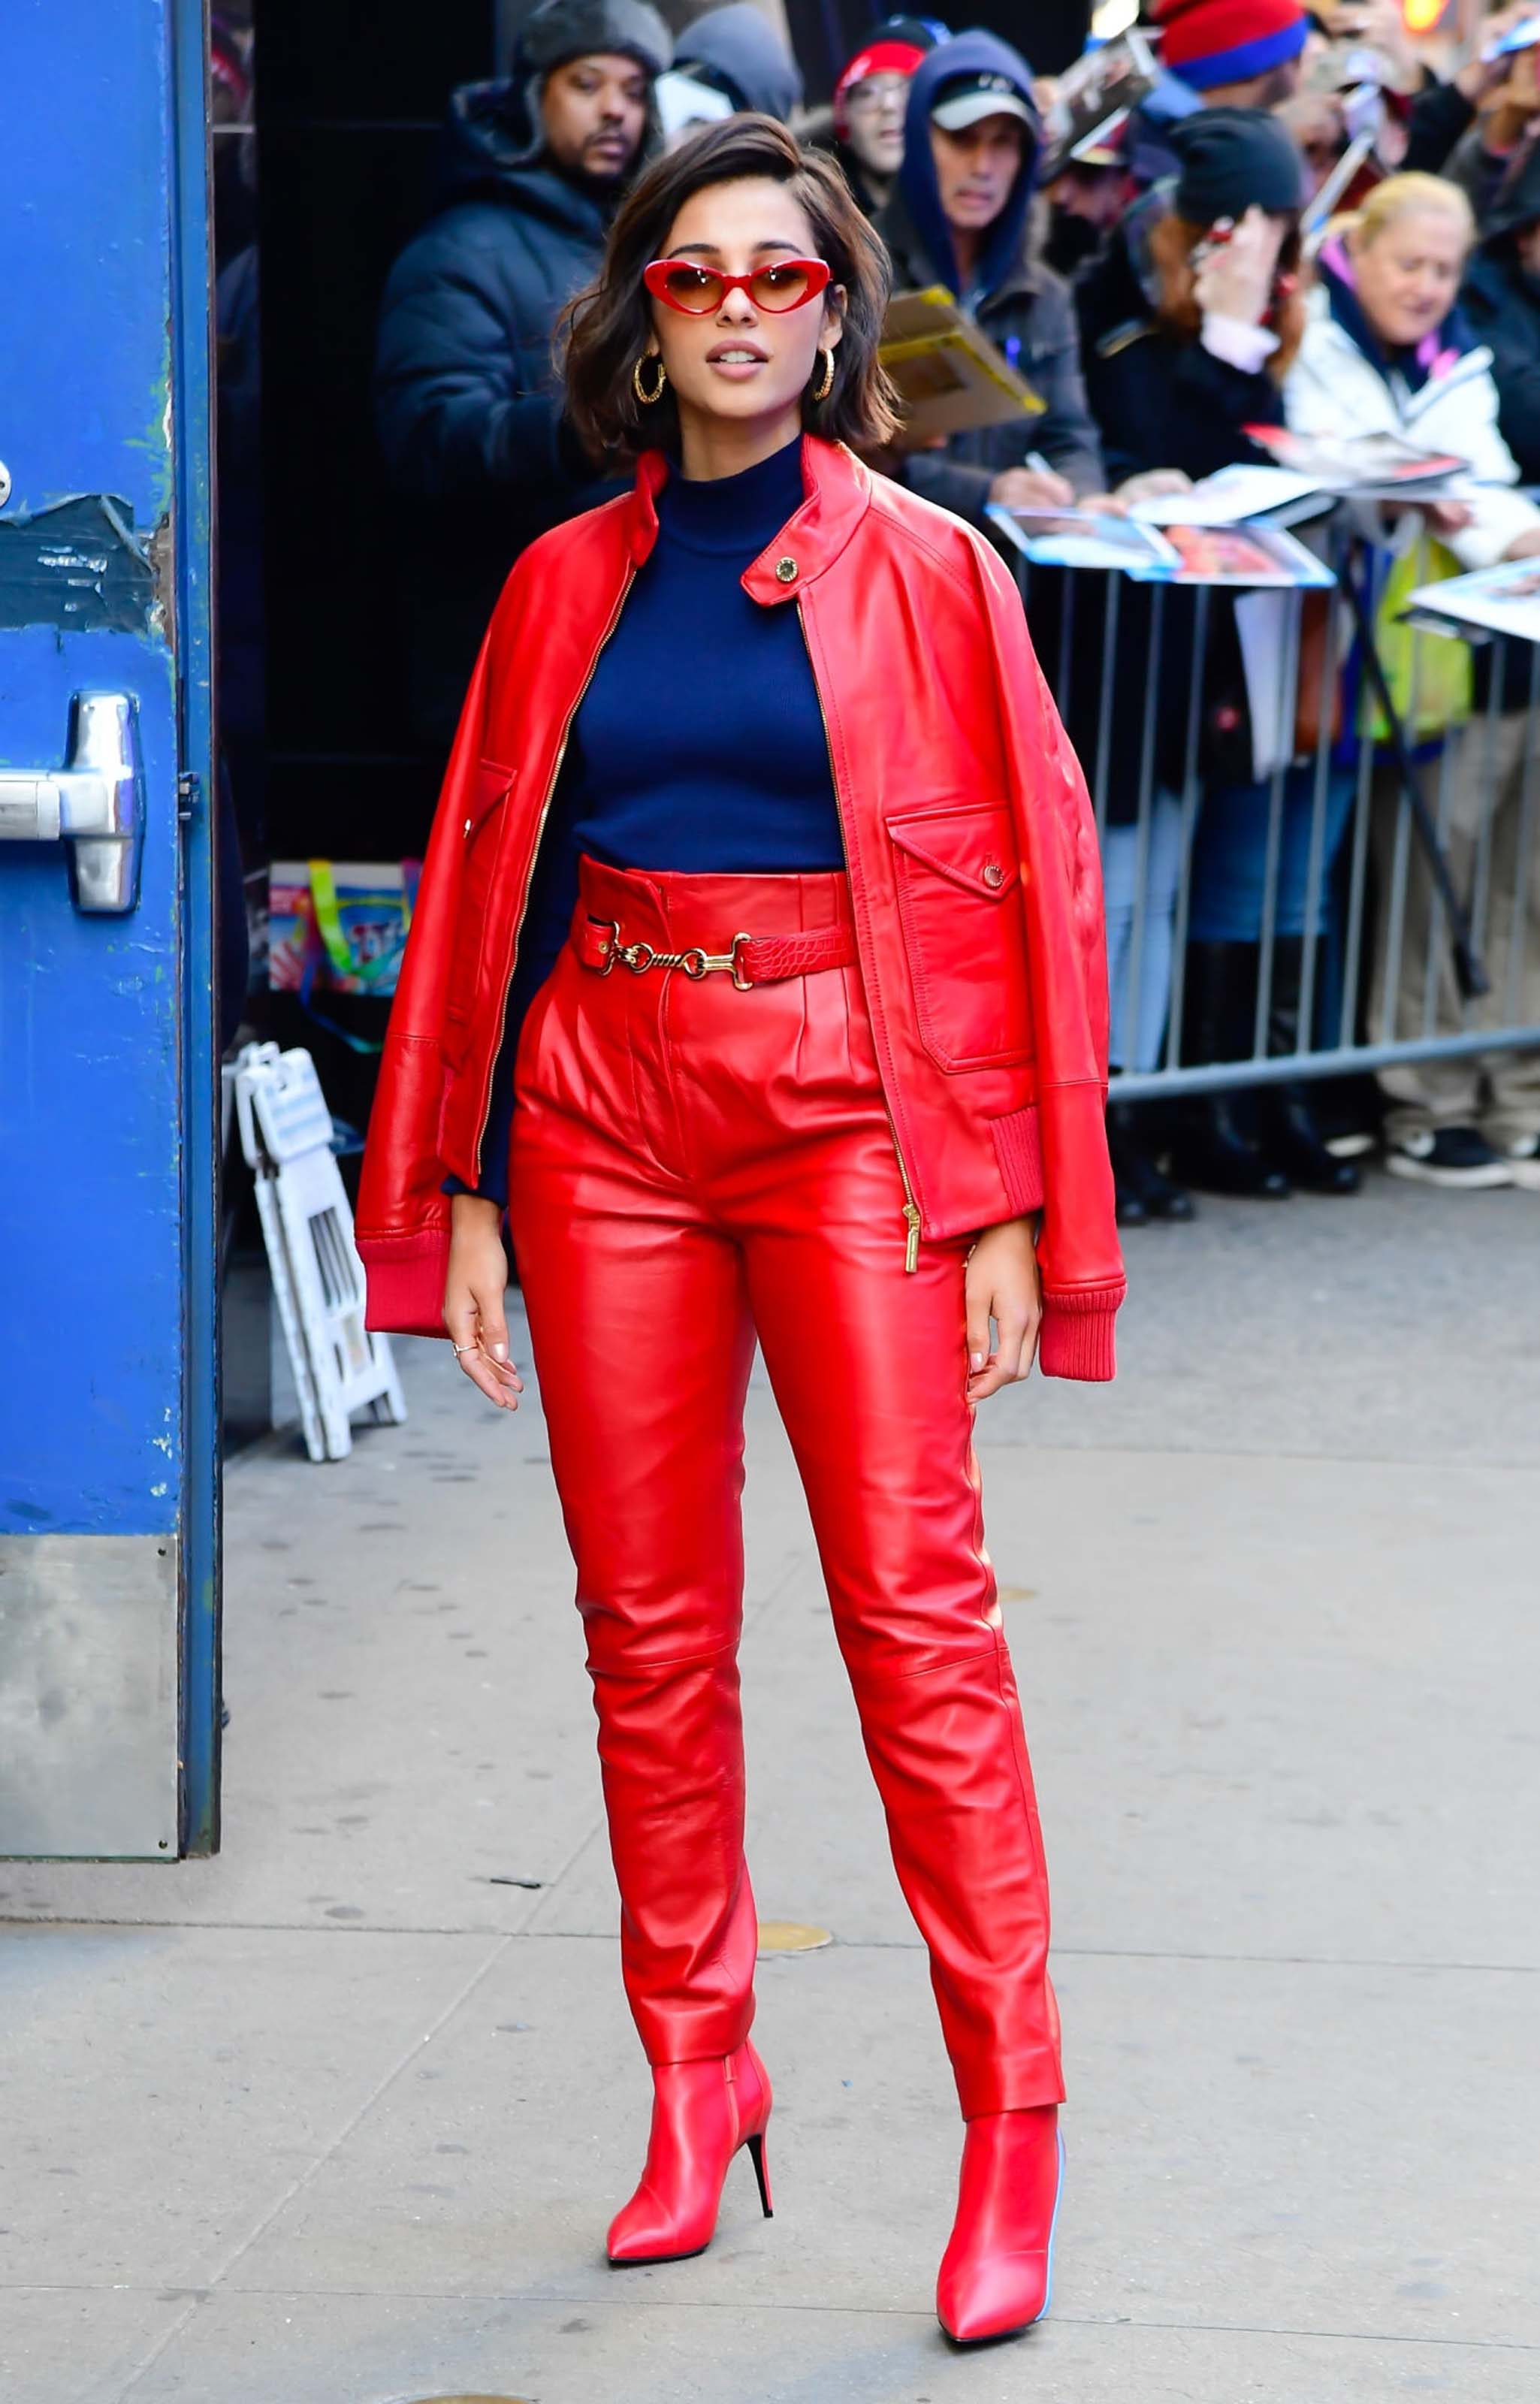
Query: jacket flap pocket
point(491, 784)
point(972, 848)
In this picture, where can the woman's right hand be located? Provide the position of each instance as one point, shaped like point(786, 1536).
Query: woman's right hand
point(1032, 488)
point(473, 1299)
point(1236, 280)
point(1481, 76)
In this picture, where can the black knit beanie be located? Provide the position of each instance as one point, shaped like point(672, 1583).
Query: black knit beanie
point(1231, 159)
point(559, 30)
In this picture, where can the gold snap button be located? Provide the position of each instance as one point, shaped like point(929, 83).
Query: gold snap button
point(993, 873)
point(786, 571)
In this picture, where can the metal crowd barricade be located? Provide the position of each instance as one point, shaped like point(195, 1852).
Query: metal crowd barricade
point(1428, 945)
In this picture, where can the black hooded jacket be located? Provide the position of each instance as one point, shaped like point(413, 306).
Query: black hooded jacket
point(468, 408)
point(1160, 402)
point(1161, 399)
point(1501, 301)
point(1021, 304)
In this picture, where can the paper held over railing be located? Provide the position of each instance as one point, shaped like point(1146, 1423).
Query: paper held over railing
point(1355, 463)
point(950, 376)
point(1251, 557)
point(1081, 538)
point(1502, 600)
point(1262, 566)
point(1227, 496)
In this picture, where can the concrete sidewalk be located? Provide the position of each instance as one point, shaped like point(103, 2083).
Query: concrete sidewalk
point(340, 2117)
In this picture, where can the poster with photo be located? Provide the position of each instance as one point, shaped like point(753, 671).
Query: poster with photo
point(1254, 557)
point(1348, 463)
point(1094, 95)
point(1083, 538)
point(1501, 600)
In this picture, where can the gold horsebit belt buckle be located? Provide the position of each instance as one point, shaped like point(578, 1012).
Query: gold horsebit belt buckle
point(695, 962)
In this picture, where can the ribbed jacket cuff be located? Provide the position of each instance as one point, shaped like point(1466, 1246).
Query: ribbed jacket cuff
point(1076, 1339)
point(405, 1277)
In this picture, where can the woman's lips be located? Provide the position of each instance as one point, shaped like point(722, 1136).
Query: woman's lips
point(738, 361)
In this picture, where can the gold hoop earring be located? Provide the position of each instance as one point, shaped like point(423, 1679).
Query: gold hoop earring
point(646, 397)
point(821, 390)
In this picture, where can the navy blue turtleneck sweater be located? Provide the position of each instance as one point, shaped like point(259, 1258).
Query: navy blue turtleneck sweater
point(699, 745)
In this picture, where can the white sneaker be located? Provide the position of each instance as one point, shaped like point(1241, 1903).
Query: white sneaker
point(1456, 1156)
point(1523, 1161)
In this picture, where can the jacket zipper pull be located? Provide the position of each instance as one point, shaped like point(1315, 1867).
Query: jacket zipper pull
point(911, 1249)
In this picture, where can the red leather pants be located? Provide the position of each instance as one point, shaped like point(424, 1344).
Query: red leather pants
point(694, 1165)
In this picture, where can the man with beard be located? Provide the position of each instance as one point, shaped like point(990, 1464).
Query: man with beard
point(468, 408)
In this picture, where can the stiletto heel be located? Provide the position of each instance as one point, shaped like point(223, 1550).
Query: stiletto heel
point(702, 2112)
point(756, 2155)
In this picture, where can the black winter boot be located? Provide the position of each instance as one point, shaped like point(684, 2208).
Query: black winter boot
point(1212, 1147)
point(1143, 1191)
point(1289, 1133)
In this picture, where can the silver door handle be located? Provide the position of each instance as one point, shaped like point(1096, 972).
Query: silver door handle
point(96, 802)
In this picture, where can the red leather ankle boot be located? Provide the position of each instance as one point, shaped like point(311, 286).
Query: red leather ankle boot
point(997, 2273)
point(702, 2112)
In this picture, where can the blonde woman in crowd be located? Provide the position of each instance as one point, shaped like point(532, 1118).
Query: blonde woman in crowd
point(1386, 351)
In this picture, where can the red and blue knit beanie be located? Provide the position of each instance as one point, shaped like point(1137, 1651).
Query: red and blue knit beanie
point(1208, 42)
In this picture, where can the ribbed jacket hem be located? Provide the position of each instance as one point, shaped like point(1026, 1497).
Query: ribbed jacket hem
point(1076, 1339)
point(1018, 1148)
point(405, 1277)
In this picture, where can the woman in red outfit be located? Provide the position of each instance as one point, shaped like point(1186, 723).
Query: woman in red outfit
point(820, 1057)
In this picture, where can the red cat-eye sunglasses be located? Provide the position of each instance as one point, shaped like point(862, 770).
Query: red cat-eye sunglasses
point(697, 291)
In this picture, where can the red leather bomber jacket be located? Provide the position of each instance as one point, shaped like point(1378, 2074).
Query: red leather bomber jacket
point(974, 881)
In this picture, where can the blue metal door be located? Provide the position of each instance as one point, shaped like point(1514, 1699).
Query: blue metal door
point(108, 1493)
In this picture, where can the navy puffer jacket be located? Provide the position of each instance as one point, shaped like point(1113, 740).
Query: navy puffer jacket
point(467, 407)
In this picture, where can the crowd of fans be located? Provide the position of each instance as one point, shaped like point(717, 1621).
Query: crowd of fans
point(1159, 295)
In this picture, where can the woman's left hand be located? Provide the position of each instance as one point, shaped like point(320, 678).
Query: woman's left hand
point(1002, 1284)
point(1525, 545)
point(1151, 483)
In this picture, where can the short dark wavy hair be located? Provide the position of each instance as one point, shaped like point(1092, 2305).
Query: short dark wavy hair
point(604, 330)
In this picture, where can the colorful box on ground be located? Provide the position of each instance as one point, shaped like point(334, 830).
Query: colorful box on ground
point(340, 924)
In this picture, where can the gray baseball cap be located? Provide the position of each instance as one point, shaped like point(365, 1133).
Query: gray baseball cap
point(969, 98)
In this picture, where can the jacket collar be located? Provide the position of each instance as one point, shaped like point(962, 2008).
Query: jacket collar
point(1405, 403)
point(838, 492)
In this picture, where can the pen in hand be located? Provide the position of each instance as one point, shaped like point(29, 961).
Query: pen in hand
point(1063, 493)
